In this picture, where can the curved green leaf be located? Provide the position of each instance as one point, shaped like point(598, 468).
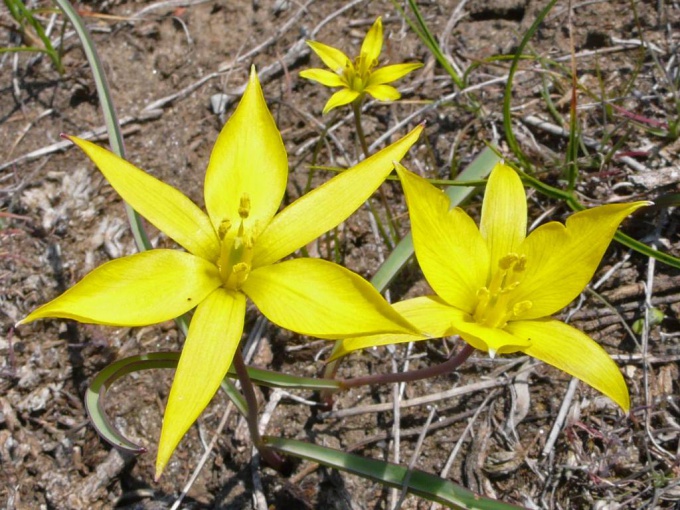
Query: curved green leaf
point(96, 392)
point(414, 481)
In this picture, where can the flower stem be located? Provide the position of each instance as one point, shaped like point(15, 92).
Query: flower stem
point(394, 235)
point(414, 375)
point(268, 455)
point(356, 108)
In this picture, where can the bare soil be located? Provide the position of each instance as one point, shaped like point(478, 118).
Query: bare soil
point(529, 436)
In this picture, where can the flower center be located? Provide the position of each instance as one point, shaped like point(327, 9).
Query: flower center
point(356, 76)
point(493, 305)
point(236, 248)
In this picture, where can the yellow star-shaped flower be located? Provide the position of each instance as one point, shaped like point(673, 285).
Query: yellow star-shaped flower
point(496, 286)
point(232, 252)
point(361, 76)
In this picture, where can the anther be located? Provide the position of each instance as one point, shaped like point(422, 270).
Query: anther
point(521, 308)
point(223, 229)
point(244, 206)
point(508, 261)
point(521, 264)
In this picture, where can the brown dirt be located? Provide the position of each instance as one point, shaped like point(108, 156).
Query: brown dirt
point(59, 219)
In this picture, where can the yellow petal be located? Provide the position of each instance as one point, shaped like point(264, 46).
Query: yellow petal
point(214, 336)
point(484, 338)
point(334, 59)
point(328, 205)
point(341, 98)
point(318, 298)
point(371, 47)
point(383, 92)
point(146, 288)
point(449, 248)
point(327, 78)
point(248, 159)
point(392, 73)
point(430, 314)
point(575, 353)
point(164, 206)
point(504, 213)
point(561, 260)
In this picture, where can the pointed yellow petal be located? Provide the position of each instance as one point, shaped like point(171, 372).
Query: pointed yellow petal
point(383, 92)
point(248, 159)
point(430, 314)
point(164, 206)
point(392, 73)
point(318, 298)
point(214, 336)
point(146, 288)
point(448, 245)
point(341, 98)
point(371, 47)
point(334, 59)
point(561, 260)
point(484, 338)
point(504, 213)
point(327, 78)
point(575, 353)
point(329, 204)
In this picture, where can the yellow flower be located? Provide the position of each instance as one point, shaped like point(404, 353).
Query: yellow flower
point(496, 287)
point(360, 77)
point(232, 252)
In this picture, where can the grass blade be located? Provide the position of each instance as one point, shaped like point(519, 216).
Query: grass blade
point(507, 97)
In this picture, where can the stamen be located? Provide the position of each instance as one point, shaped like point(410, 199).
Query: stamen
point(494, 308)
point(508, 261)
point(521, 308)
point(521, 264)
point(224, 227)
point(244, 206)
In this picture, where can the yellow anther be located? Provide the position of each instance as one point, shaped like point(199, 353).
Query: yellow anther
point(521, 264)
point(223, 228)
point(509, 288)
point(508, 261)
point(521, 308)
point(244, 206)
point(483, 293)
point(241, 267)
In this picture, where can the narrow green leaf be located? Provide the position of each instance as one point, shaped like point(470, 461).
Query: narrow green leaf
point(110, 117)
point(414, 481)
point(507, 97)
point(112, 127)
point(96, 393)
point(21, 14)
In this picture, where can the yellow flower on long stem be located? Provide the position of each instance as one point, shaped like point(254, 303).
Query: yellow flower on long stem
point(361, 76)
point(496, 287)
point(232, 252)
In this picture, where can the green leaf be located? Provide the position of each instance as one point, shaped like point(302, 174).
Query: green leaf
point(414, 481)
point(96, 393)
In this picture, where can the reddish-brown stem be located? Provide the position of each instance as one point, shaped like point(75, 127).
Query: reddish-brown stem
point(268, 455)
point(414, 375)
